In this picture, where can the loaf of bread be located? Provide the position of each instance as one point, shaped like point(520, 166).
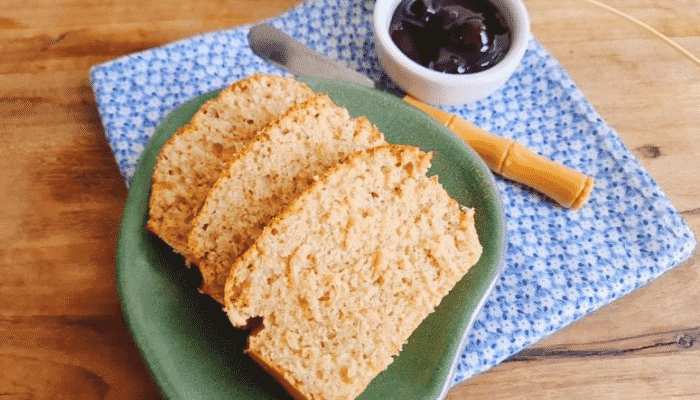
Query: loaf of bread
point(265, 176)
point(192, 160)
point(345, 274)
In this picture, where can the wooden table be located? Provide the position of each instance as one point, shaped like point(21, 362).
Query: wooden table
point(61, 329)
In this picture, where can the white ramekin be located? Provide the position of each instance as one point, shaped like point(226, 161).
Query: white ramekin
point(435, 87)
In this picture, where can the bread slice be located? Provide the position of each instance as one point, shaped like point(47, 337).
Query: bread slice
point(264, 177)
point(345, 274)
point(191, 161)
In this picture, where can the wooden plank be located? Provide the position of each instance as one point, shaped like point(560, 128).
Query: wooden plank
point(71, 357)
point(61, 331)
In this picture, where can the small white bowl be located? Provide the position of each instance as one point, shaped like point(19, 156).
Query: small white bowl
point(435, 87)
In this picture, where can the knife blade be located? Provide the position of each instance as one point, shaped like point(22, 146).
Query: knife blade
point(506, 157)
point(273, 45)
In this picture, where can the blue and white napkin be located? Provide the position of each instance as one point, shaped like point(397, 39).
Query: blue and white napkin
point(560, 264)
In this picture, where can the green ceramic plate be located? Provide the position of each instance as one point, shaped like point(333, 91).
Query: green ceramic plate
point(194, 353)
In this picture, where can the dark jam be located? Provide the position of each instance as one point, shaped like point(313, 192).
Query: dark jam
point(453, 36)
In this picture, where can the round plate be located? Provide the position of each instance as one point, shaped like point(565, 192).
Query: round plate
point(185, 338)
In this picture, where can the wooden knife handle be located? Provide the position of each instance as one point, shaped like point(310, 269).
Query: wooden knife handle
point(512, 160)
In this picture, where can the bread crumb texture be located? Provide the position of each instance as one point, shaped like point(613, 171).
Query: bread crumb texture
point(349, 269)
point(273, 169)
point(191, 161)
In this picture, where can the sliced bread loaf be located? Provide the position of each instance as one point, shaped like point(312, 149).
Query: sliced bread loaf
point(345, 274)
point(265, 176)
point(191, 161)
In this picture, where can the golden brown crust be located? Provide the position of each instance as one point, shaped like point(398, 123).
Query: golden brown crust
point(226, 173)
point(340, 289)
point(267, 174)
point(399, 150)
point(278, 375)
point(349, 269)
point(192, 159)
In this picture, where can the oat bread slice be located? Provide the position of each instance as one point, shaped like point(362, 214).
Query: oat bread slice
point(190, 162)
point(345, 274)
point(265, 176)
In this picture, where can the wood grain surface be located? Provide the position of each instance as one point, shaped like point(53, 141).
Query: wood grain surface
point(61, 329)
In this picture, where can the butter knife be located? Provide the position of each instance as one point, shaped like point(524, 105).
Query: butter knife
point(506, 157)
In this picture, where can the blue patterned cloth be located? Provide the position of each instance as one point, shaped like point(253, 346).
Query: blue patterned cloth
point(560, 264)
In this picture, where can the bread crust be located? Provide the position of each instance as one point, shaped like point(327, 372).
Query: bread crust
point(192, 159)
point(328, 295)
point(366, 245)
point(278, 375)
point(265, 176)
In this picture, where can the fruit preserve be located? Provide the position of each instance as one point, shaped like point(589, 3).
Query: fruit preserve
point(453, 36)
